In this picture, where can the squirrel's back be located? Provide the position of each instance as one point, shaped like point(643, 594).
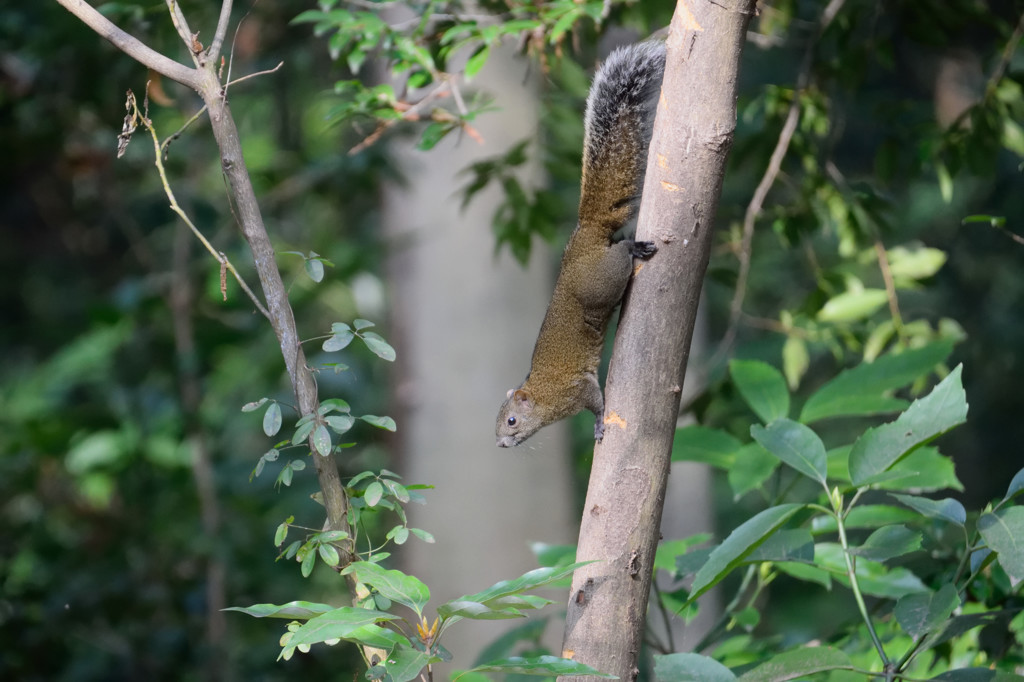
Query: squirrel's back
point(618, 123)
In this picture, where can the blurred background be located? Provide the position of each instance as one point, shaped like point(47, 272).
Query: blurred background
point(128, 514)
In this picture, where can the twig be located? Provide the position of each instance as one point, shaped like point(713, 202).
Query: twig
point(1004, 61)
point(253, 75)
point(770, 174)
point(219, 256)
point(410, 114)
point(890, 288)
point(174, 136)
point(131, 45)
point(222, 28)
point(184, 32)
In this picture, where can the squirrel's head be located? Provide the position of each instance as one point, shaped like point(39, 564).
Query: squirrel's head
point(516, 420)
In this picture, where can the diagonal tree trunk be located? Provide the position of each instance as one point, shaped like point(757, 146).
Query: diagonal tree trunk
point(693, 133)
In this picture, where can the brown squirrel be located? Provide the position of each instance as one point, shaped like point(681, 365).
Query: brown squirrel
point(594, 271)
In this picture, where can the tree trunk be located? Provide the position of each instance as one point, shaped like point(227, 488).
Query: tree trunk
point(692, 137)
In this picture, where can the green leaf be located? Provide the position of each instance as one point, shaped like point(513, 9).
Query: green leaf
point(293, 610)
point(690, 668)
point(477, 61)
point(795, 360)
point(866, 516)
point(377, 637)
point(378, 346)
point(255, 405)
point(668, 550)
point(547, 666)
point(739, 544)
point(1016, 485)
point(883, 446)
point(322, 440)
point(874, 578)
point(308, 561)
point(916, 264)
point(374, 493)
point(753, 466)
point(315, 269)
point(704, 444)
point(919, 614)
point(272, 419)
point(1003, 532)
point(946, 509)
point(763, 387)
point(338, 341)
point(888, 542)
point(280, 535)
point(329, 554)
point(386, 423)
point(336, 624)
point(785, 545)
point(796, 445)
point(859, 391)
point(340, 423)
point(483, 605)
point(798, 663)
point(945, 182)
point(405, 663)
point(395, 585)
point(851, 306)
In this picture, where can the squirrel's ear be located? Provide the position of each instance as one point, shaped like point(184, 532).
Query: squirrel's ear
point(521, 396)
point(510, 392)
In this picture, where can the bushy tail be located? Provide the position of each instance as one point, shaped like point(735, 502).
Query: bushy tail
point(618, 126)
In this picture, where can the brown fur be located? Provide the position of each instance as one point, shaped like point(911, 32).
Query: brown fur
point(594, 271)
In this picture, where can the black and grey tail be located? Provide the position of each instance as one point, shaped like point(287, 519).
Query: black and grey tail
point(618, 126)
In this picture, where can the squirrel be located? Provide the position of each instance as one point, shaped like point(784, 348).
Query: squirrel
point(592, 277)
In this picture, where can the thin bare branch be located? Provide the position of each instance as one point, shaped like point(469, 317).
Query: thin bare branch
point(181, 26)
point(131, 45)
point(1004, 61)
point(253, 75)
point(222, 30)
point(218, 255)
point(890, 288)
point(176, 134)
point(769, 177)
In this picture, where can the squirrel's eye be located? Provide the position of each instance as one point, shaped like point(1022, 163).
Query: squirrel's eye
point(511, 421)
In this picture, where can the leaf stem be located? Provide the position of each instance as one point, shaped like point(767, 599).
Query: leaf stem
point(851, 572)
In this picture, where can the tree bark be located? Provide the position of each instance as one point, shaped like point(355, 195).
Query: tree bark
point(693, 133)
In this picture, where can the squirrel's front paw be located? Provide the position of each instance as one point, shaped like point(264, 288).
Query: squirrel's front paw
point(643, 250)
point(599, 429)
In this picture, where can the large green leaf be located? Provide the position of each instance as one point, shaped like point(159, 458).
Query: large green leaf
point(918, 614)
point(395, 585)
point(1004, 534)
point(874, 578)
point(293, 610)
point(946, 509)
point(763, 387)
point(866, 516)
point(690, 668)
point(883, 446)
point(504, 599)
point(739, 544)
point(796, 445)
point(860, 390)
point(796, 544)
point(798, 663)
point(337, 624)
point(406, 662)
point(753, 466)
point(888, 542)
point(540, 665)
point(697, 443)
